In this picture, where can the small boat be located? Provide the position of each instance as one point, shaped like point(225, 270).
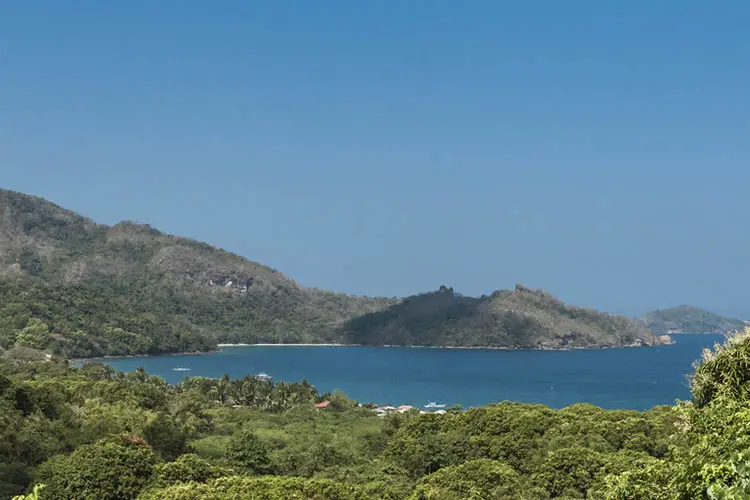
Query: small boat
point(181, 369)
point(263, 376)
point(432, 405)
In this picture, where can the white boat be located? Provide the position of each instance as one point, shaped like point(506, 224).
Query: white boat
point(432, 405)
point(181, 369)
point(263, 376)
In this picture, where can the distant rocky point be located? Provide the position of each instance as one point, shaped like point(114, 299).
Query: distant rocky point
point(522, 318)
point(688, 319)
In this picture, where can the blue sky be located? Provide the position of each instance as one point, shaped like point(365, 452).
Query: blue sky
point(595, 149)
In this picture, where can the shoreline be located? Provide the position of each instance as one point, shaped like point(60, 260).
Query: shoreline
point(289, 345)
point(389, 346)
point(127, 356)
point(486, 348)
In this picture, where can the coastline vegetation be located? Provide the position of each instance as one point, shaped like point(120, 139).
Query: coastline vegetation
point(93, 433)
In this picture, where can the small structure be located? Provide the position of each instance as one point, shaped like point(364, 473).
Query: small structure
point(382, 411)
point(324, 404)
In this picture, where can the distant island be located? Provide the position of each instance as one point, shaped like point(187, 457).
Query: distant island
point(72, 287)
point(688, 319)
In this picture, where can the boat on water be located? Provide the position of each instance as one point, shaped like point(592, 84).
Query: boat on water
point(263, 376)
point(432, 405)
point(181, 369)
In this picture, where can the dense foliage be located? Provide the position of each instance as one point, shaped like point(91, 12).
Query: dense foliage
point(688, 319)
point(524, 318)
point(92, 433)
point(75, 288)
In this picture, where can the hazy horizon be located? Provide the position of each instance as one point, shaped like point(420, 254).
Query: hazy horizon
point(597, 151)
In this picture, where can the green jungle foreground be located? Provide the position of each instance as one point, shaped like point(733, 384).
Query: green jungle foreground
point(92, 433)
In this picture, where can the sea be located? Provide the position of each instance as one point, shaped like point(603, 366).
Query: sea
point(630, 378)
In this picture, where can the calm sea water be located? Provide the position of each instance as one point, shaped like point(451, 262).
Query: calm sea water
point(635, 378)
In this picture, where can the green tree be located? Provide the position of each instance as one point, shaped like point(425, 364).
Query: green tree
point(248, 452)
point(14, 479)
point(570, 472)
point(113, 469)
point(187, 468)
point(165, 436)
point(264, 488)
point(340, 401)
point(36, 494)
point(482, 479)
point(35, 335)
point(724, 372)
point(650, 481)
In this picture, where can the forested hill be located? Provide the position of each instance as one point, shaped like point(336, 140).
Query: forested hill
point(521, 318)
point(688, 319)
point(71, 286)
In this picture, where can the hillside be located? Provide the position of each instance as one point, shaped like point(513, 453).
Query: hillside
point(688, 319)
point(79, 288)
point(74, 287)
point(522, 318)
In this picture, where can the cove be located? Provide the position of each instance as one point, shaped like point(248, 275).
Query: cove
point(628, 378)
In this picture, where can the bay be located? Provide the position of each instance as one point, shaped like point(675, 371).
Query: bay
point(635, 378)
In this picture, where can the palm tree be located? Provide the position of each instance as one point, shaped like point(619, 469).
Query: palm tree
point(221, 389)
point(140, 374)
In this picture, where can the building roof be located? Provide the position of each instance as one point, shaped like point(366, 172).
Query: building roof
point(323, 404)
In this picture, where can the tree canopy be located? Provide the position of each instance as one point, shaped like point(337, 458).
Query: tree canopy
point(91, 432)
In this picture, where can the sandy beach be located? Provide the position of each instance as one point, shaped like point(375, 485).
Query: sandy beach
point(489, 348)
point(285, 345)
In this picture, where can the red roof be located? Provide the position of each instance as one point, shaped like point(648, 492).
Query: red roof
point(323, 404)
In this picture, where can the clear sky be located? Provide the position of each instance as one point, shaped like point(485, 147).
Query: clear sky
point(599, 150)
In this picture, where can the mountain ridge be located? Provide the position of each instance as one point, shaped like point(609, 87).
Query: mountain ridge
point(78, 288)
point(171, 293)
